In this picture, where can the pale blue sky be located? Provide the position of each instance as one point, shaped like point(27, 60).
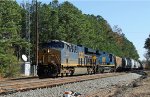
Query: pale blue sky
point(132, 16)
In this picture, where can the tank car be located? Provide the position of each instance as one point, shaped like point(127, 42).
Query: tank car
point(139, 65)
point(126, 64)
point(133, 64)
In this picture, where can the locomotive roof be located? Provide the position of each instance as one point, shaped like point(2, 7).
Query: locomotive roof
point(61, 41)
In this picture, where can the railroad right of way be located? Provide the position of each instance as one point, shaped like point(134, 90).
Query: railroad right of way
point(86, 87)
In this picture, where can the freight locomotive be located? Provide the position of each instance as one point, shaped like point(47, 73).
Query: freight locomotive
point(62, 58)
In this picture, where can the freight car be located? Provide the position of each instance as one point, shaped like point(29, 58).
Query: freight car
point(110, 62)
point(63, 58)
point(131, 64)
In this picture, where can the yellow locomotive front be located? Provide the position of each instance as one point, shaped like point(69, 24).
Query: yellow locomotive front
point(49, 56)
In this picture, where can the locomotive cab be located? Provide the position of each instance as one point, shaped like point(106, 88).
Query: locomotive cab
point(49, 59)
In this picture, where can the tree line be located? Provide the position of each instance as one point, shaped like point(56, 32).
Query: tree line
point(147, 54)
point(55, 21)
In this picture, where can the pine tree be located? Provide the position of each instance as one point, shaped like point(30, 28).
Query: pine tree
point(10, 40)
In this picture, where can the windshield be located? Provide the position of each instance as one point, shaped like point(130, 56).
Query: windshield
point(52, 44)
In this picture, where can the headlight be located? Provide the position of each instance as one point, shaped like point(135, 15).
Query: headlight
point(40, 61)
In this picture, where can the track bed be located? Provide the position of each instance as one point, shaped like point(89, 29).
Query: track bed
point(12, 86)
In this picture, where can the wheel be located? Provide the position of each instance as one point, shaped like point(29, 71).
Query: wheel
point(88, 71)
point(52, 70)
point(40, 71)
point(62, 75)
point(72, 72)
point(66, 74)
point(101, 69)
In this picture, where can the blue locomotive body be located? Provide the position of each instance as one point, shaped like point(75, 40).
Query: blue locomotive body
point(59, 57)
point(106, 62)
point(106, 59)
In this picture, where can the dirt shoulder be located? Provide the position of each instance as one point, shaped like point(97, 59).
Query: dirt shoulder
point(142, 90)
point(136, 88)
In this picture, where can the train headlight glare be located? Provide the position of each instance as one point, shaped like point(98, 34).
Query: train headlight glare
point(40, 61)
point(48, 51)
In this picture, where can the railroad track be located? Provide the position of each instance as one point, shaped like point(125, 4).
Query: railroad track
point(12, 86)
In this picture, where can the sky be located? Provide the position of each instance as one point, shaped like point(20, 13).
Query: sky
point(132, 16)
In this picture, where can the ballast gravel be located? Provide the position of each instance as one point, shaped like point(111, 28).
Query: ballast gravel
point(83, 88)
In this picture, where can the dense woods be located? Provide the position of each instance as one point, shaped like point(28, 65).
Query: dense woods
point(147, 54)
point(10, 40)
point(56, 21)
